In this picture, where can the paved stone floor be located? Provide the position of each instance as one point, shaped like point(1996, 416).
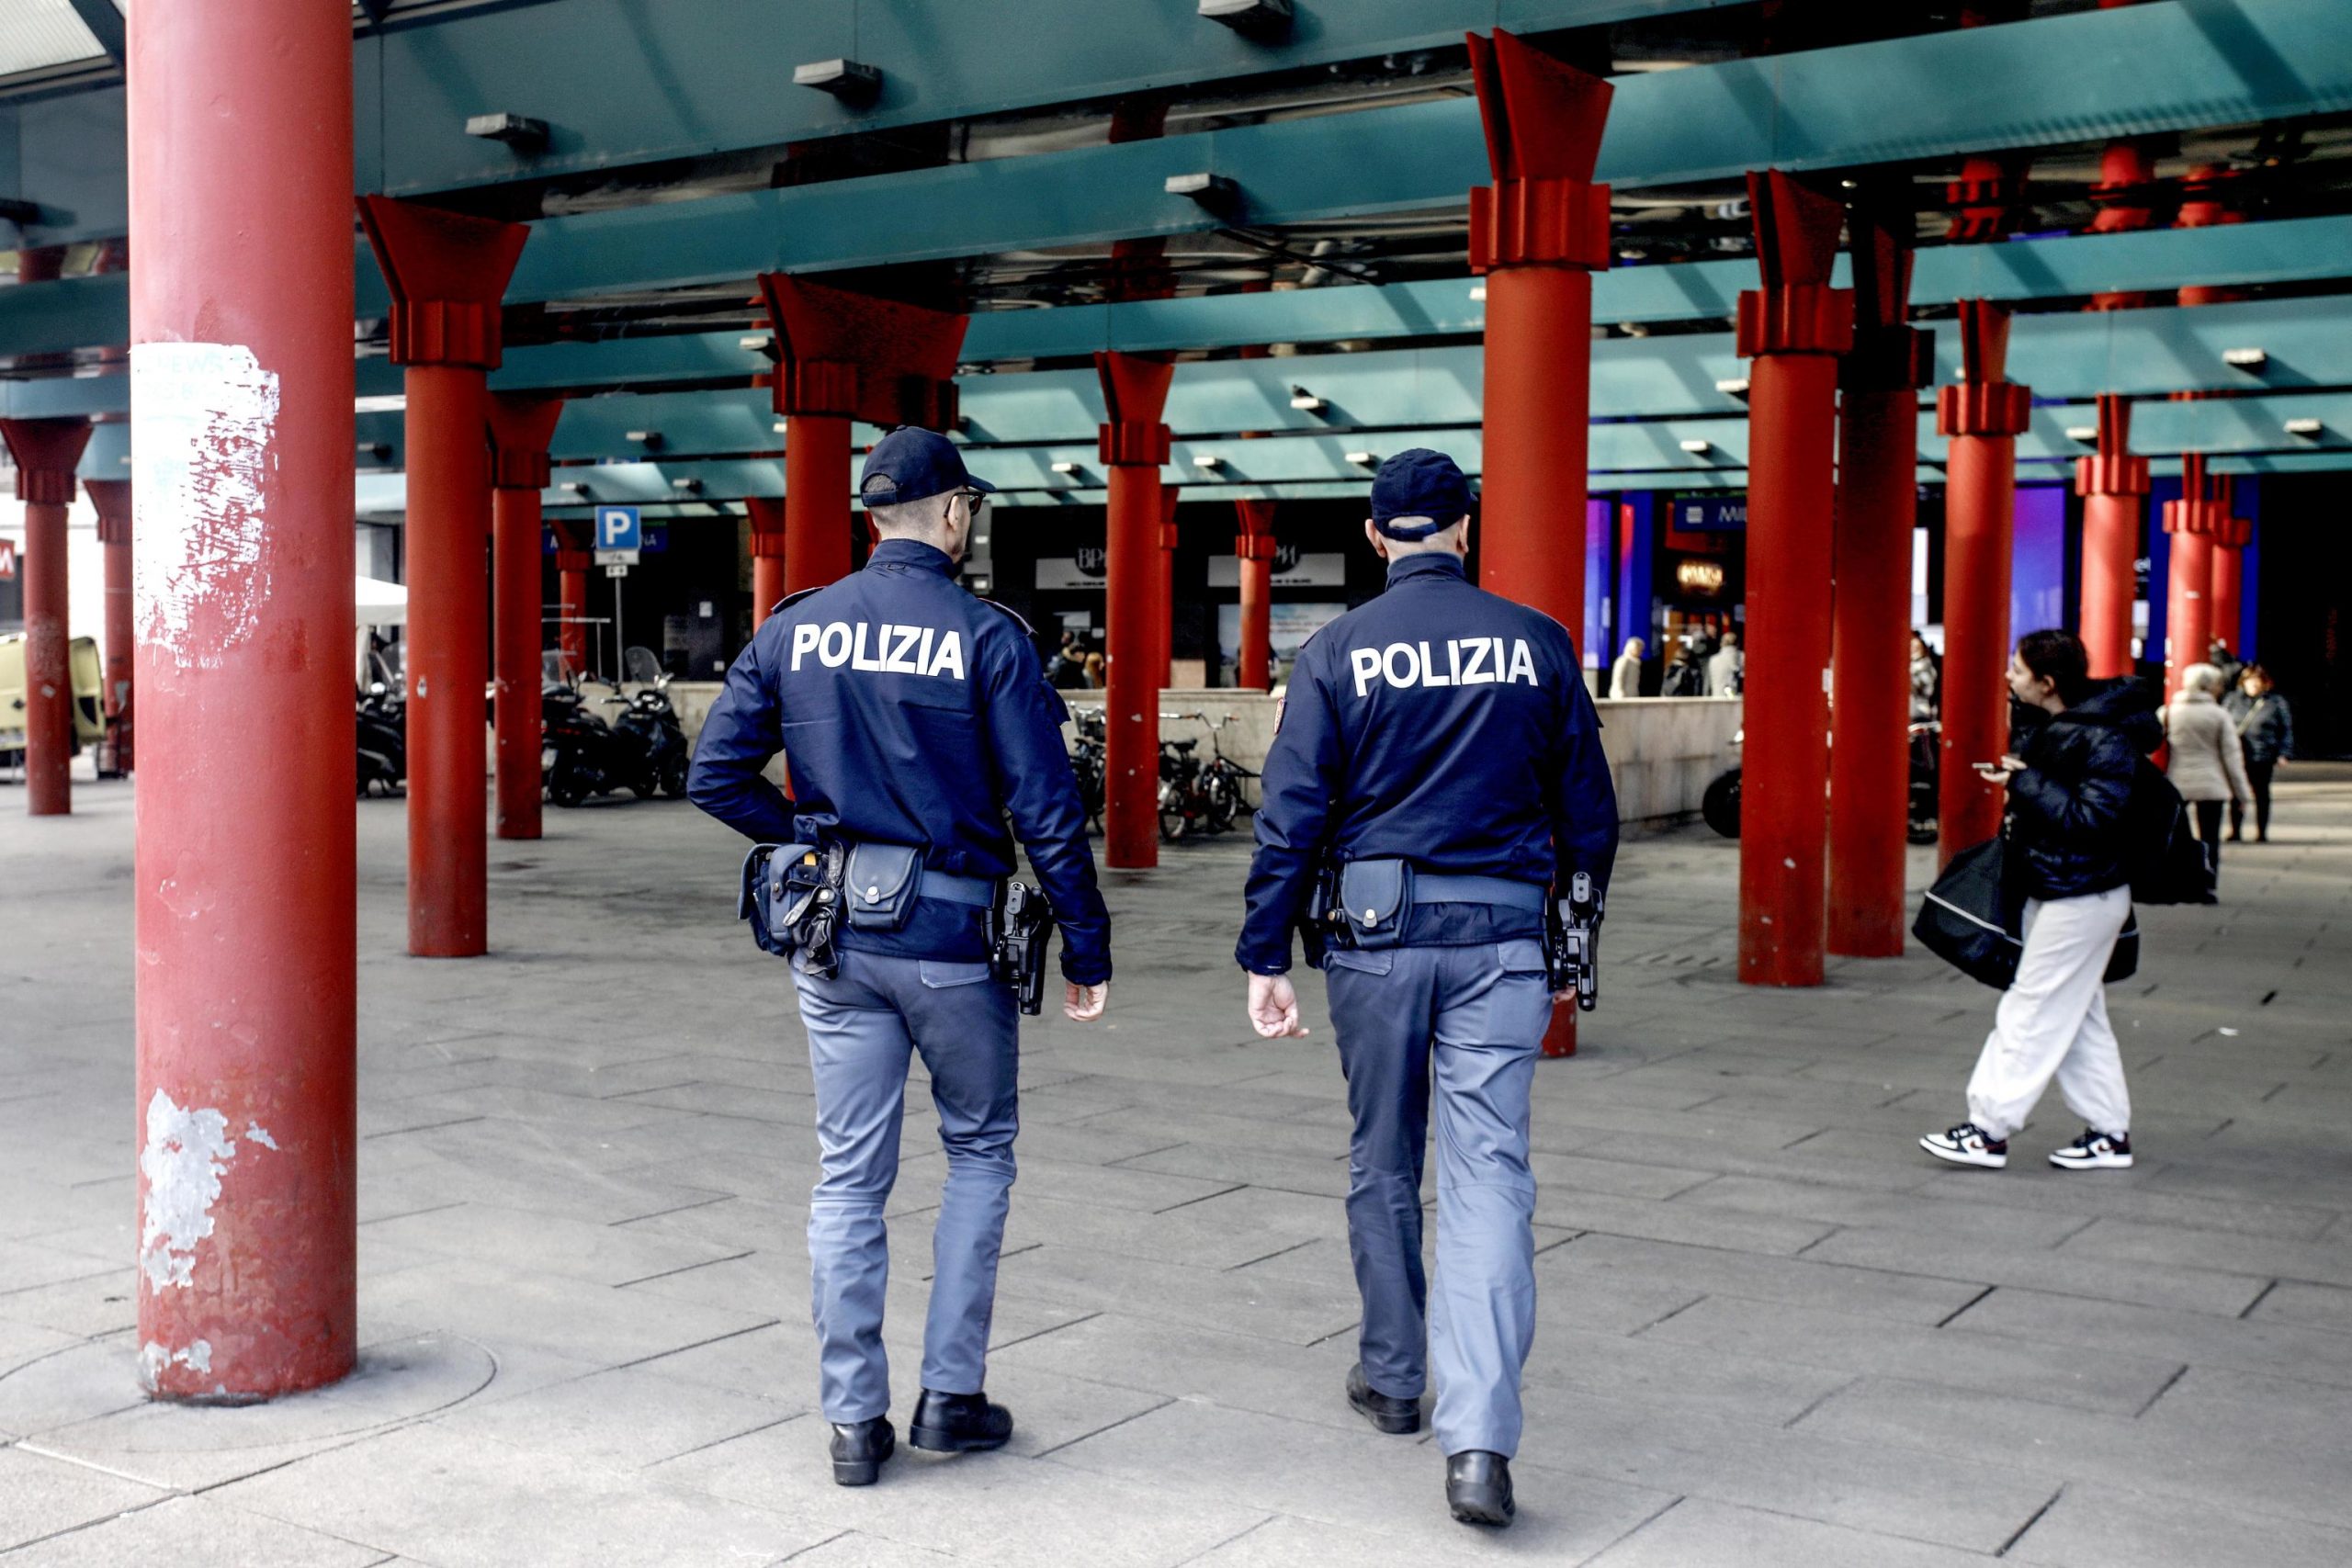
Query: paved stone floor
point(1773, 1332)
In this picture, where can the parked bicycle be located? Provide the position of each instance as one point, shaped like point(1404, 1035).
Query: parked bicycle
point(1198, 796)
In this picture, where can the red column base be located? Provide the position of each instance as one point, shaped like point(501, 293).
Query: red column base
point(1560, 1035)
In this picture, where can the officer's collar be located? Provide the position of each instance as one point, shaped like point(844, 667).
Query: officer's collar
point(911, 552)
point(1425, 564)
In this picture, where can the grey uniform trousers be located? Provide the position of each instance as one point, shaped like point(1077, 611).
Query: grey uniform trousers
point(1470, 1020)
point(862, 1025)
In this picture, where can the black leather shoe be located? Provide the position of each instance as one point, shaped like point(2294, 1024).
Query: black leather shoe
point(1477, 1488)
point(959, 1423)
point(859, 1448)
point(1385, 1411)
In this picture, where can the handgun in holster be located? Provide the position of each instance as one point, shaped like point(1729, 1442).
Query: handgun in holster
point(1572, 942)
point(1018, 924)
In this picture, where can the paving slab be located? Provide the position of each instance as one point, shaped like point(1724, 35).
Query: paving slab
point(1769, 1331)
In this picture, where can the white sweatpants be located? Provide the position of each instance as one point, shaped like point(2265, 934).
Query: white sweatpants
point(2053, 1020)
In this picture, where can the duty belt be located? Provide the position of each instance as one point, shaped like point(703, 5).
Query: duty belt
point(1431, 888)
point(976, 891)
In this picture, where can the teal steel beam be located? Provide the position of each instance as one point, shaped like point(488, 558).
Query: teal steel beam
point(92, 311)
point(2132, 71)
point(2070, 356)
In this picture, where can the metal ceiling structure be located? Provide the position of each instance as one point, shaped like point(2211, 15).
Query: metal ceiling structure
point(1349, 146)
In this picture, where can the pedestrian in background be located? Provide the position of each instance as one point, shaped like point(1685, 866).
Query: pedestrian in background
point(2217, 654)
point(1927, 681)
point(1727, 667)
point(2067, 799)
point(2266, 730)
point(1625, 675)
point(1097, 668)
point(2206, 764)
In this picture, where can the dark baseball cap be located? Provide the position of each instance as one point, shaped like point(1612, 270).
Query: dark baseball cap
point(1419, 483)
point(914, 464)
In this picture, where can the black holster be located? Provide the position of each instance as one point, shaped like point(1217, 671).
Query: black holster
point(1019, 923)
point(1572, 942)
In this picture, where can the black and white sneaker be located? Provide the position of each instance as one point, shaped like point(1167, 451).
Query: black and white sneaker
point(1967, 1144)
point(2095, 1150)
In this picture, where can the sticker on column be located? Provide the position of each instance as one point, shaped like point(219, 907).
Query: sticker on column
point(203, 416)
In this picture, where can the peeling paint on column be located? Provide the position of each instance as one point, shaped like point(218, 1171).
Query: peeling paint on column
point(257, 1134)
point(203, 416)
point(153, 1359)
point(185, 1153)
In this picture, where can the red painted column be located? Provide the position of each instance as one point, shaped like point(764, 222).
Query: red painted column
point(520, 429)
point(1878, 503)
point(768, 555)
point(1134, 444)
point(572, 559)
point(2231, 536)
point(2188, 588)
point(841, 356)
point(111, 500)
point(2124, 195)
point(245, 933)
point(1794, 328)
point(45, 451)
point(2114, 487)
point(1163, 593)
point(1537, 234)
point(1982, 416)
point(2209, 198)
point(1254, 545)
point(447, 273)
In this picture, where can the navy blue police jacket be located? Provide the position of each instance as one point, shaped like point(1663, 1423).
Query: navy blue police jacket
point(1444, 725)
point(909, 712)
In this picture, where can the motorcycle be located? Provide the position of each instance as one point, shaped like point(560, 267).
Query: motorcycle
point(643, 748)
point(1719, 808)
point(382, 717)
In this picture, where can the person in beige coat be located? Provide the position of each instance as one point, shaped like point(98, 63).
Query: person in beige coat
point(2206, 764)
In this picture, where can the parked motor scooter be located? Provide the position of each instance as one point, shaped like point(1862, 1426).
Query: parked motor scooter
point(642, 749)
point(1719, 808)
point(383, 730)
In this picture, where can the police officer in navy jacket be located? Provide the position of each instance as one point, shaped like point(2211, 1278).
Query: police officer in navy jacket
point(1447, 729)
point(910, 714)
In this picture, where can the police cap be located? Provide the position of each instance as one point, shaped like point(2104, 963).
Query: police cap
point(1419, 483)
point(914, 464)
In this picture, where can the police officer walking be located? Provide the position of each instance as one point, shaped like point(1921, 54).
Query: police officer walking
point(916, 719)
point(1437, 770)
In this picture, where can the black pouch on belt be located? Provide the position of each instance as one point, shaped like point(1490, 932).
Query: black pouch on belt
point(766, 899)
point(884, 882)
point(1376, 896)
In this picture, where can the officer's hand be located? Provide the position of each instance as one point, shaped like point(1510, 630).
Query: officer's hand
point(1273, 1007)
point(1083, 1004)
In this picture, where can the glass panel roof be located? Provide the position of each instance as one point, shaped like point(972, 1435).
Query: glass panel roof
point(35, 34)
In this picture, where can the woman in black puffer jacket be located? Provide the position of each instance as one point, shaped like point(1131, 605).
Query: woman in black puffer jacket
point(2069, 792)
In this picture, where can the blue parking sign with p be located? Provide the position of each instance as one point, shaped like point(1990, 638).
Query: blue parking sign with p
point(616, 528)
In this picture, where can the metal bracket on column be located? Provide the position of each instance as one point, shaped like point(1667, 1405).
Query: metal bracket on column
point(855, 357)
point(110, 498)
point(1135, 394)
point(520, 428)
point(766, 512)
point(2113, 469)
point(447, 273)
point(1989, 193)
point(1887, 355)
point(1169, 495)
point(571, 552)
point(45, 451)
point(1796, 312)
point(1982, 402)
point(1254, 540)
point(2197, 510)
point(1543, 121)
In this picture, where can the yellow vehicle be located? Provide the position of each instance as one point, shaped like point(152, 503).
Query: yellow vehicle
point(89, 685)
